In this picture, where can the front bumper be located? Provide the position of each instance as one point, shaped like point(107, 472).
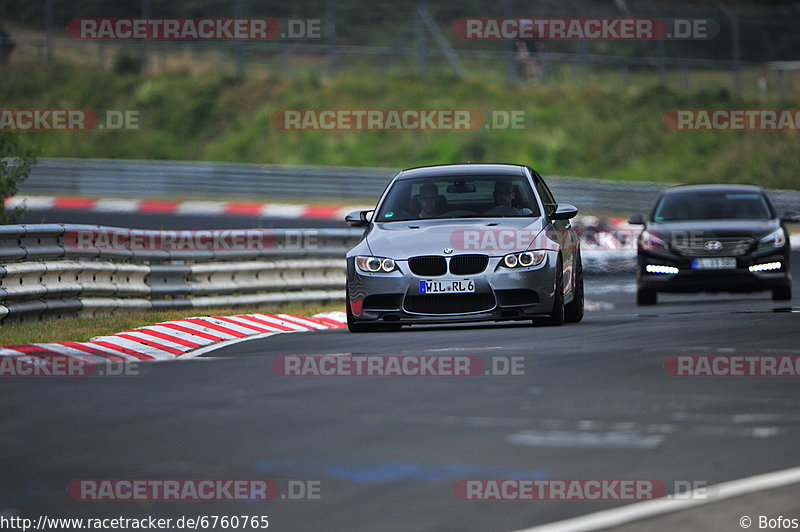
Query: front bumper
point(500, 294)
point(689, 279)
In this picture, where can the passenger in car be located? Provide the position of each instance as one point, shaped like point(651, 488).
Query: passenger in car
point(504, 198)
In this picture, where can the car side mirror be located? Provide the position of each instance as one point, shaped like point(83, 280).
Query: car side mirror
point(564, 211)
point(790, 217)
point(359, 218)
point(636, 219)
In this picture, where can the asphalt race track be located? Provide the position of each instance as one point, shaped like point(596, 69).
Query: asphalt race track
point(594, 402)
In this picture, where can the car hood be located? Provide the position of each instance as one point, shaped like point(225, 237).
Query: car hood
point(716, 228)
point(401, 240)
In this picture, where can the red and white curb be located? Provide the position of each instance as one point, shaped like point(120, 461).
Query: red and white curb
point(204, 208)
point(185, 338)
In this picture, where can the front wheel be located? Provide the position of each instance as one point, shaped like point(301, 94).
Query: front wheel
point(573, 311)
point(352, 325)
point(557, 315)
point(646, 297)
point(784, 293)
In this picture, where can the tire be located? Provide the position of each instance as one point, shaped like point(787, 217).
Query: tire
point(556, 317)
point(646, 297)
point(784, 293)
point(573, 311)
point(352, 325)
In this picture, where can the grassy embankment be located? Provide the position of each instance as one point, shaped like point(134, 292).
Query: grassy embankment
point(602, 131)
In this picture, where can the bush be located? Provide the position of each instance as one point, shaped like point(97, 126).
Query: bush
point(128, 63)
point(15, 165)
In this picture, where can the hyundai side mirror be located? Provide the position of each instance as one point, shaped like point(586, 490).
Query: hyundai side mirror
point(636, 219)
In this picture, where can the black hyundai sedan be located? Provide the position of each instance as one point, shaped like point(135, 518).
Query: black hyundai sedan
point(713, 238)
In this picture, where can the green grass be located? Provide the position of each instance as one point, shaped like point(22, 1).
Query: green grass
point(602, 130)
point(82, 329)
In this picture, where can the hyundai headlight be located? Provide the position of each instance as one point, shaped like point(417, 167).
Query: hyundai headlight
point(776, 239)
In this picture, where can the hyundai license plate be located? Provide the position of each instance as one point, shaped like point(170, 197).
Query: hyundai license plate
point(717, 263)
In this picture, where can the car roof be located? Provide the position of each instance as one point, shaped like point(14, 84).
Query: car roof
point(445, 170)
point(712, 188)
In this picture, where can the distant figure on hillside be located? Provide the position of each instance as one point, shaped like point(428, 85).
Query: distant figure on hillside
point(7, 46)
point(526, 60)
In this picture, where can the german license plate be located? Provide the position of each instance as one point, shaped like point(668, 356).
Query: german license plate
point(461, 286)
point(717, 263)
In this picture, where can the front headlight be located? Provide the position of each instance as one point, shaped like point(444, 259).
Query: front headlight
point(649, 240)
point(375, 264)
point(523, 259)
point(776, 239)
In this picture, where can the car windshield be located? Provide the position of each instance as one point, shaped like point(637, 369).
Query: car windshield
point(458, 197)
point(712, 206)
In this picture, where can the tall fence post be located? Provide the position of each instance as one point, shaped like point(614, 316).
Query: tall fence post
point(330, 34)
point(48, 30)
point(238, 12)
point(583, 46)
point(440, 39)
point(736, 49)
point(661, 47)
point(421, 43)
point(511, 70)
point(146, 42)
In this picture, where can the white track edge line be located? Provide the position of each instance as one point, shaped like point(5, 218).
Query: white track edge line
point(644, 510)
point(225, 343)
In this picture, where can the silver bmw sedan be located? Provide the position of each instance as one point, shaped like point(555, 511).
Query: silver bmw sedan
point(463, 243)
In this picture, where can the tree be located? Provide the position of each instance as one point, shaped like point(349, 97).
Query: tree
point(15, 165)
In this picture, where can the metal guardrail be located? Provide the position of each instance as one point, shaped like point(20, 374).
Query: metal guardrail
point(44, 274)
point(47, 272)
point(52, 271)
point(110, 177)
point(113, 177)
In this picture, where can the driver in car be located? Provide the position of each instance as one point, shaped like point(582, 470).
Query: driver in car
point(503, 199)
point(428, 200)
